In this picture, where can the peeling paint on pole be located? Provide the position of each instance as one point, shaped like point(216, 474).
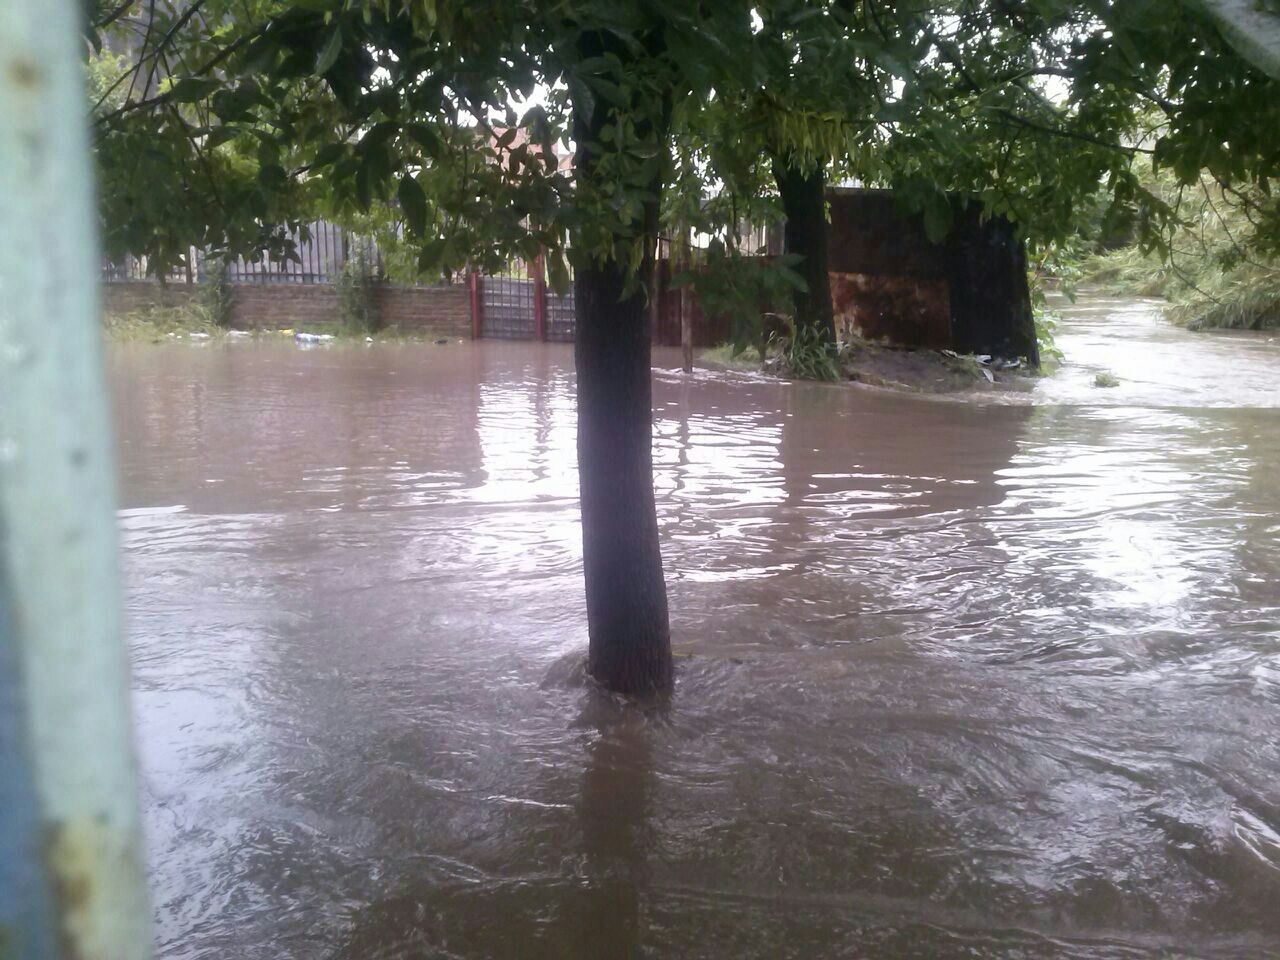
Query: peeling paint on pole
point(72, 882)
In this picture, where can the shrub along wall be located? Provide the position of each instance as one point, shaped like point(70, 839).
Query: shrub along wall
point(445, 310)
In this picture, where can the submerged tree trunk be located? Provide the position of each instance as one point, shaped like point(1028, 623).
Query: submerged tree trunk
point(803, 194)
point(630, 649)
point(630, 635)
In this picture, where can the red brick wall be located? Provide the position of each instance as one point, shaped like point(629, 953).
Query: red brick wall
point(445, 310)
point(128, 297)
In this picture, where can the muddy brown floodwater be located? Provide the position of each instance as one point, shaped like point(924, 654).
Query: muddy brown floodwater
point(955, 680)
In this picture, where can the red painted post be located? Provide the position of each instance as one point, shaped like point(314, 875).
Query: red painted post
point(538, 269)
point(477, 319)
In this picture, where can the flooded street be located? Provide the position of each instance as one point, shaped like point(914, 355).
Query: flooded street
point(954, 680)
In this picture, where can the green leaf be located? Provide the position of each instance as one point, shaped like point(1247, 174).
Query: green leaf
point(558, 272)
point(608, 90)
point(329, 154)
point(937, 221)
point(364, 188)
point(220, 135)
point(413, 202)
point(193, 89)
point(328, 54)
point(425, 137)
point(431, 256)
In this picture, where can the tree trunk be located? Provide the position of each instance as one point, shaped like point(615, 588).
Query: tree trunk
point(630, 648)
point(630, 635)
point(803, 193)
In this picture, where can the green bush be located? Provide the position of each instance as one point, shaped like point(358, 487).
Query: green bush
point(1218, 267)
point(357, 305)
point(214, 300)
point(744, 290)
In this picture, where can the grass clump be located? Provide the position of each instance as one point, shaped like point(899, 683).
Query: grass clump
point(1127, 272)
point(806, 354)
point(1106, 378)
point(725, 355)
point(1212, 290)
point(1246, 298)
point(157, 323)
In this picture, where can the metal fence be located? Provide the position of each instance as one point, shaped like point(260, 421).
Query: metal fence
point(321, 250)
point(515, 302)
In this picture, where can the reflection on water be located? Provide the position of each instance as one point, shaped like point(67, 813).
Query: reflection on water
point(955, 681)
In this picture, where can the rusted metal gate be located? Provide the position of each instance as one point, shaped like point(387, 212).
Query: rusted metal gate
point(561, 315)
point(518, 305)
point(508, 308)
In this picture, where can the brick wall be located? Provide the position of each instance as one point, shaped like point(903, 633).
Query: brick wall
point(128, 297)
point(445, 310)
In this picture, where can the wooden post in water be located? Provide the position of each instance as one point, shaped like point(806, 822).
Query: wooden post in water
point(71, 875)
point(477, 305)
point(538, 271)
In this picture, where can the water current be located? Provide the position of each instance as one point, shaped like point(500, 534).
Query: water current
point(955, 678)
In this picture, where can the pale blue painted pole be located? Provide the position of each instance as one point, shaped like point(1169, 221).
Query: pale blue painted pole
point(71, 878)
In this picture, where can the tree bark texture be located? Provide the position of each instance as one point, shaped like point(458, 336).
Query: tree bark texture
point(803, 194)
point(630, 645)
point(630, 635)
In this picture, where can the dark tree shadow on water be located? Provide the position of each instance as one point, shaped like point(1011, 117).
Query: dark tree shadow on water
point(614, 818)
point(577, 890)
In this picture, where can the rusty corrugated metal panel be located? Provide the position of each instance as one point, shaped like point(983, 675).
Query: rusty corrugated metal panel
point(910, 311)
point(869, 234)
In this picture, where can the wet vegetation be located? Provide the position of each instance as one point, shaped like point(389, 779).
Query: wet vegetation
point(159, 323)
point(1217, 266)
point(358, 313)
point(215, 299)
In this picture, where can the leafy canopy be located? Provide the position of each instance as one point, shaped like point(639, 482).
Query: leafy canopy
point(237, 120)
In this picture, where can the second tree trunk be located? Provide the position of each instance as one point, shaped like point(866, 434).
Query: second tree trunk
point(803, 194)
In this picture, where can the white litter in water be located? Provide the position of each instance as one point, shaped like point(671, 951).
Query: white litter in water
point(313, 337)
